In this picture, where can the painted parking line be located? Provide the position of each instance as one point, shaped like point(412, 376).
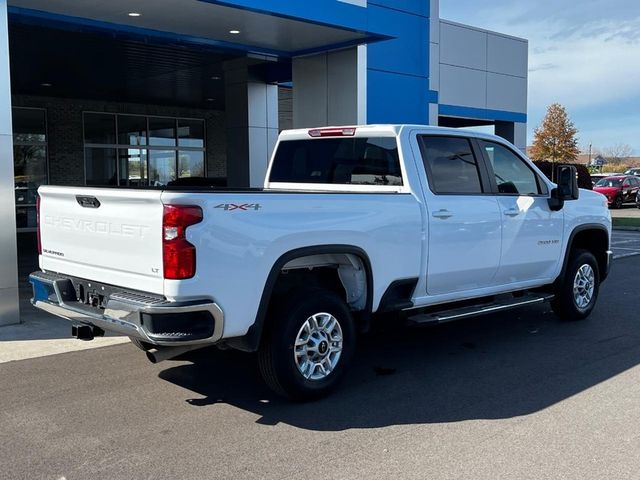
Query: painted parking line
point(624, 242)
point(625, 255)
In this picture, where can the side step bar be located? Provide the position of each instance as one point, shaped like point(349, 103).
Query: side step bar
point(481, 309)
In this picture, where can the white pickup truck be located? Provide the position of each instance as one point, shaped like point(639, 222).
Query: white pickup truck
point(436, 224)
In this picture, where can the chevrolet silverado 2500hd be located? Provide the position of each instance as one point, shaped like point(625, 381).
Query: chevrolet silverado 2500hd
point(438, 224)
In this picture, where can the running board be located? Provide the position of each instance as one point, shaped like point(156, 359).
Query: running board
point(471, 311)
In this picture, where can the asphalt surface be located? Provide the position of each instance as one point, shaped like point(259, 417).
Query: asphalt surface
point(516, 395)
point(625, 243)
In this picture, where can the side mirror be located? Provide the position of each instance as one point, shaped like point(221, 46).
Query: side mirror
point(567, 189)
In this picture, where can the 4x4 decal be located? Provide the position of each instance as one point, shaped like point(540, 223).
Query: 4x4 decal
point(229, 207)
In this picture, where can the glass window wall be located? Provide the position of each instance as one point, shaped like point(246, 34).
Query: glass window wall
point(139, 151)
point(29, 161)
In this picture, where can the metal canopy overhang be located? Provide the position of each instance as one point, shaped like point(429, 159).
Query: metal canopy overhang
point(281, 31)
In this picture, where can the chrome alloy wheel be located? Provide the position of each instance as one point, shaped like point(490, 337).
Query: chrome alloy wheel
point(584, 285)
point(318, 346)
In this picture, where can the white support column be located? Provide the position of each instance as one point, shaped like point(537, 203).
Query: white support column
point(9, 311)
point(520, 136)
point(251, 108)
point(330, 88)
point(433, 114)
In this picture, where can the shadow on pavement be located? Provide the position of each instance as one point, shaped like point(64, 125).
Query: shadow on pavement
point(485, 368)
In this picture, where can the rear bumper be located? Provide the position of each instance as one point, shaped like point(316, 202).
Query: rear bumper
point(147, 318)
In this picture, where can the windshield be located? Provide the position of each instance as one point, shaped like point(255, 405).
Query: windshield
point(609, 182)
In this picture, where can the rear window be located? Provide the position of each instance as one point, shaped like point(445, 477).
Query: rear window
point(339, 161)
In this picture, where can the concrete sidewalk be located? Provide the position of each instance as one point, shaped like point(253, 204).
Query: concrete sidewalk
point(41, 334)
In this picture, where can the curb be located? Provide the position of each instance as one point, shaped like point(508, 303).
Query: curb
point(628, 229)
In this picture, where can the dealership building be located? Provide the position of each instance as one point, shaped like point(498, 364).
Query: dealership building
point(134, 93)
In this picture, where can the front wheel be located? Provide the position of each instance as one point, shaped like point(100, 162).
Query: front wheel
point(577, 294)
point(308, 345)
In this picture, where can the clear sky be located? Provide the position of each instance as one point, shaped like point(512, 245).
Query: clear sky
point(583, 54)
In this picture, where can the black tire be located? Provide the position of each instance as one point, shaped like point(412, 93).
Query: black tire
point(144, 346)
point(617, 202)
point(276, 357)
point(564, 304)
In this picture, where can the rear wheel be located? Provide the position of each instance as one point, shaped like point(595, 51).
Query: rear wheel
point(617, 203)
point(308, 345)
point(577, 294)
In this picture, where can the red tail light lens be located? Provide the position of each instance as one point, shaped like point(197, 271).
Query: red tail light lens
point(38, 224)
point(178, 255)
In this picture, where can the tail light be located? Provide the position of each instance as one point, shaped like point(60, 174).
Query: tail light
point(178, 255)
point(38, 224)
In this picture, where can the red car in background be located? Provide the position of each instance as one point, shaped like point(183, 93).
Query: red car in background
point(618, 189)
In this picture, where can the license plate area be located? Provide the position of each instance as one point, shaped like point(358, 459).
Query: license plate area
point(43, 291)
point(97, 295)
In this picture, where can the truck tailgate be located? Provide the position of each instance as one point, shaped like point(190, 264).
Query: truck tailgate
point(111, 236)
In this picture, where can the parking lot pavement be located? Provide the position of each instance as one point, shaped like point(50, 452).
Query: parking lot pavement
point(516, 395)
point(625, 243)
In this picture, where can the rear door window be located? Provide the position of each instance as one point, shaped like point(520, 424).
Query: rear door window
point(451, 166)
point(341, 161)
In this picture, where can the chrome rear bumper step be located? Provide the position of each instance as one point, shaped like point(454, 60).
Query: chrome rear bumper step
point(449, 315)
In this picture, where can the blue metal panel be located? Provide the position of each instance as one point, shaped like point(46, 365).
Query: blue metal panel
point(408, 53)
point(396, 98)
point(66, 22)
point(323, 12)
point(43, 18)
point(482, 113)
point(433, 96)
point(417, 7)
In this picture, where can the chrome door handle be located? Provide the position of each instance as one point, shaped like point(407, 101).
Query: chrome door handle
point(512, 212)
point(442, 213)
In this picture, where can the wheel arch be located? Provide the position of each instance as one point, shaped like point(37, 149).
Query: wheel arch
point(251, 340)
point(591, 237)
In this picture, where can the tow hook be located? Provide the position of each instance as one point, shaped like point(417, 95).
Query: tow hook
point(86, 332)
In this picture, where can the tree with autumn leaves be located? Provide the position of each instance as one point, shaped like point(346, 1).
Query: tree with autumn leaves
point(555, 138)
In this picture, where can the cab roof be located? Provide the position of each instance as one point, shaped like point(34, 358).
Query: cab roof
point(378, 129)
